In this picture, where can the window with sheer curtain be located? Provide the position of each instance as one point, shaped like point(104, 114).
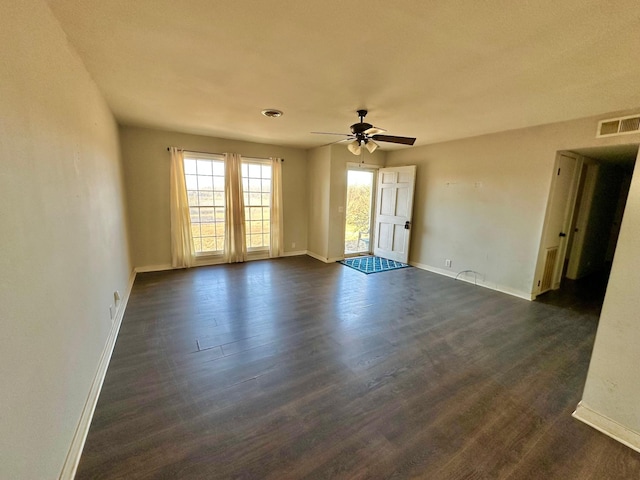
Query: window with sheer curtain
point(204, 179)
point(205, 185)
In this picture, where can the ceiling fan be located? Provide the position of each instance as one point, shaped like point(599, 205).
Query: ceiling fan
point(363, 133)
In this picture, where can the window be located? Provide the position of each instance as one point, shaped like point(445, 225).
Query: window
point(204, 177)
point(256, 187)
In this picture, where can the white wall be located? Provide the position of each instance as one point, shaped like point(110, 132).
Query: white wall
point(146, 166)
point(63, 247)
point(611, 396)
point(481, 201)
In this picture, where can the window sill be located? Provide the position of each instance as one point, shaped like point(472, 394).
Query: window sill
point(257, 255)
point(204, 259)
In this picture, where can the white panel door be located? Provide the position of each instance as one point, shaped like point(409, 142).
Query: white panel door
point(562, 200)
point(394, 204)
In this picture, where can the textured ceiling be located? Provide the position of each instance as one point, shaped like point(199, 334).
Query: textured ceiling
point(433, 70)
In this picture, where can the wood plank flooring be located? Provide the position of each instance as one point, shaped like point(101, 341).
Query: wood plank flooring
point(292, 368)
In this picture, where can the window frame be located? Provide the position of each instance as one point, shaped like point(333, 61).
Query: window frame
point(188, 155)
point(263, 162)
point(216, 256)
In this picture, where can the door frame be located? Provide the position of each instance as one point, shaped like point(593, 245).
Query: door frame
point(373, 168)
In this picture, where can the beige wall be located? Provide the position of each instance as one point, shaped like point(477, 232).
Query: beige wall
point(319, 186)
point(63, 243)
point(146, 166)
point(481, 201)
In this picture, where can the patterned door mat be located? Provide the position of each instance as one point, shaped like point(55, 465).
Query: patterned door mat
point(372, 264)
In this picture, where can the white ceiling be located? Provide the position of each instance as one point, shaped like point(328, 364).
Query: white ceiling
point(433, 70)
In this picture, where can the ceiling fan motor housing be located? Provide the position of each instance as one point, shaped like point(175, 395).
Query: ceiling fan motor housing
point(358, 129)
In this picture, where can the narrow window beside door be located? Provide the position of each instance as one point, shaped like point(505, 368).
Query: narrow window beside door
point(358, 213)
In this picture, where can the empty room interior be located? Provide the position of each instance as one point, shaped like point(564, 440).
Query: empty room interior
point(319, 239)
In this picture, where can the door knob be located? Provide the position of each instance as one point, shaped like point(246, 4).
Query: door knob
point(562, 234)
point(407, 225)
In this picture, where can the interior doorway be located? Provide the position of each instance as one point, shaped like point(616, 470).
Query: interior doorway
point(592, 224)
point(359, 211)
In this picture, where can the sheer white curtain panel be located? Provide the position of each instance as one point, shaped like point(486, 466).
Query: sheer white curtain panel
point(182, 247)
point(276, 244)
point(235, 245)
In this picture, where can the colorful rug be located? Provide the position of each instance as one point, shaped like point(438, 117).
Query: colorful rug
point(372, 264)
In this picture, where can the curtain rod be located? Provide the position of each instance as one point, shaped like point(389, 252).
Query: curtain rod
point(214, 153)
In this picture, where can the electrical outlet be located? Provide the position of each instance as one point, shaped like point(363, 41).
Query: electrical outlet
point(447, 263)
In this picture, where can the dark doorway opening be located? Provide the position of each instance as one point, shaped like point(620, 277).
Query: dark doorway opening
point(598, 212)
point(584, 295)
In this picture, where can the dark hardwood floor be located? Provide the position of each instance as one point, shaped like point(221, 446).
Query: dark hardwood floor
point(293, 368)
point(584, 295)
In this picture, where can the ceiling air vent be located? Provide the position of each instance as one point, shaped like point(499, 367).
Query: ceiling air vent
point(630, 125)
point(619, 126)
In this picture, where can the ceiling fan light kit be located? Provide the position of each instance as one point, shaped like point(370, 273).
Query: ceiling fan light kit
point(365, 133)
point(371, 146)
point(354, 147)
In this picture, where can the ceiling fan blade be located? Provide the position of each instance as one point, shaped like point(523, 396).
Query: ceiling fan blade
point(392, 139)
point(333, 143)
point(330, 133)
point(374, 131)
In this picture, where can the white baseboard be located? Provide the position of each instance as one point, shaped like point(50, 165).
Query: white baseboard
point(208, 261)
point(515, 293)
point(77, 444)
point(294, 254)
point(609, 427)
point(479, 282)
point(324, 259)
point(317, 257)
point(153, 268)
